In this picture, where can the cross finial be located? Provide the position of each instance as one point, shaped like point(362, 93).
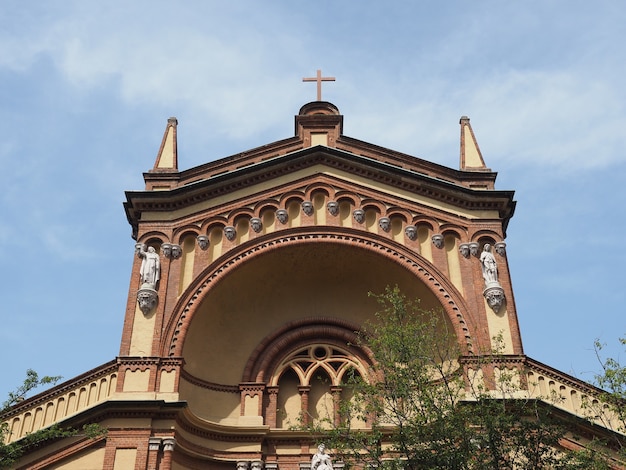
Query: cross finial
point(319, 79)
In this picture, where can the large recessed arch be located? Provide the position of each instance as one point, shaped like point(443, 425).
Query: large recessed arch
point(280, 277)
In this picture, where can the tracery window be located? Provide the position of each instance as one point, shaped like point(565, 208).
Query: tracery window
point(311, 381)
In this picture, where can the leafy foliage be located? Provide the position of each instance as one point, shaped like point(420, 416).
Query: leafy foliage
point(424, 407)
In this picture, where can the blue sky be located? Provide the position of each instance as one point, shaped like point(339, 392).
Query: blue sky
point(86, 89)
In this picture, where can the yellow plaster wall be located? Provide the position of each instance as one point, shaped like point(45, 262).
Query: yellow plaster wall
point(188, 246)
point(168, 381)
point(319, 138)
point(426, 244)
point(220, 407)
point(167, 156)
point(472, 157)
point(136, 381)
point(345, 214)
point(498, 324)
point(143, 329)
point(454, 265)
point(89, 460)
point(125, 459)
point(319, 205)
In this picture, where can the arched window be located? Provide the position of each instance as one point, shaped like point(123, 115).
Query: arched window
point(311, 382)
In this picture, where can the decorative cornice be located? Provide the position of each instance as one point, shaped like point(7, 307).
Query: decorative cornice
point(400, 178)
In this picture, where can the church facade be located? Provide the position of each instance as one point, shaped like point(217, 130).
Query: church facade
point(250, 283)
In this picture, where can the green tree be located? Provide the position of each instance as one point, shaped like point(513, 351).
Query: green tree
point(11, 452)
point(426, 406)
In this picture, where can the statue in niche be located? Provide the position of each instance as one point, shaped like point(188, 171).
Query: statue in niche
point(321, 460)
point(490, 268)
point(150, 270)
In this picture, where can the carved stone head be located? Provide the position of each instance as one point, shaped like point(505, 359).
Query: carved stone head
point(438, 240)
point(139, 247)
point(282, 216)
point(203, 242)
point(177, 251)
point(384, 223)
point(500, 248)
point(230, 233)
point(495, 297)
point(359, 215)
point(411, 232)
point(307, 207)
point(464, 249)
point(242, 465)
point(166, 249)
point(474, 248)
point(147, 299)
point(333, 207)
point(256, 224)
point(256, 465)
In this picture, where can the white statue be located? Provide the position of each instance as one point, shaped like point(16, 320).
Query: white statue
point(490, 268)
point(321, 460)
point(150, 270)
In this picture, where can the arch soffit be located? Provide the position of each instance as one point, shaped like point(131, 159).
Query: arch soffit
point(444, 291)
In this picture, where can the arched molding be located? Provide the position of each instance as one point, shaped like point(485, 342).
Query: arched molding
point(281, 343)
point(185, 231)
point(347, 196)
point(424, 221)
point(398, 212)
point(482, 236)
point(371, 204)
point(241, 213)
point(212, 223)
point(444, 291)
point(319, 188)
point(153, 238)
point(453, 230)
point(291, 197)
point(267, 205)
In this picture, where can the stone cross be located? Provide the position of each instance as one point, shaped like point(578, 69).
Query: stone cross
point(319, 79)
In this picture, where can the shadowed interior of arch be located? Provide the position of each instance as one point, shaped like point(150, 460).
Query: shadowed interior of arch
point(305, 281)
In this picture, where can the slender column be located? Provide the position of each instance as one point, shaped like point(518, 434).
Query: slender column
point(336, 392)
point(272, 407)
point(168, 450)
point(154, 444)
point(304, 403)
